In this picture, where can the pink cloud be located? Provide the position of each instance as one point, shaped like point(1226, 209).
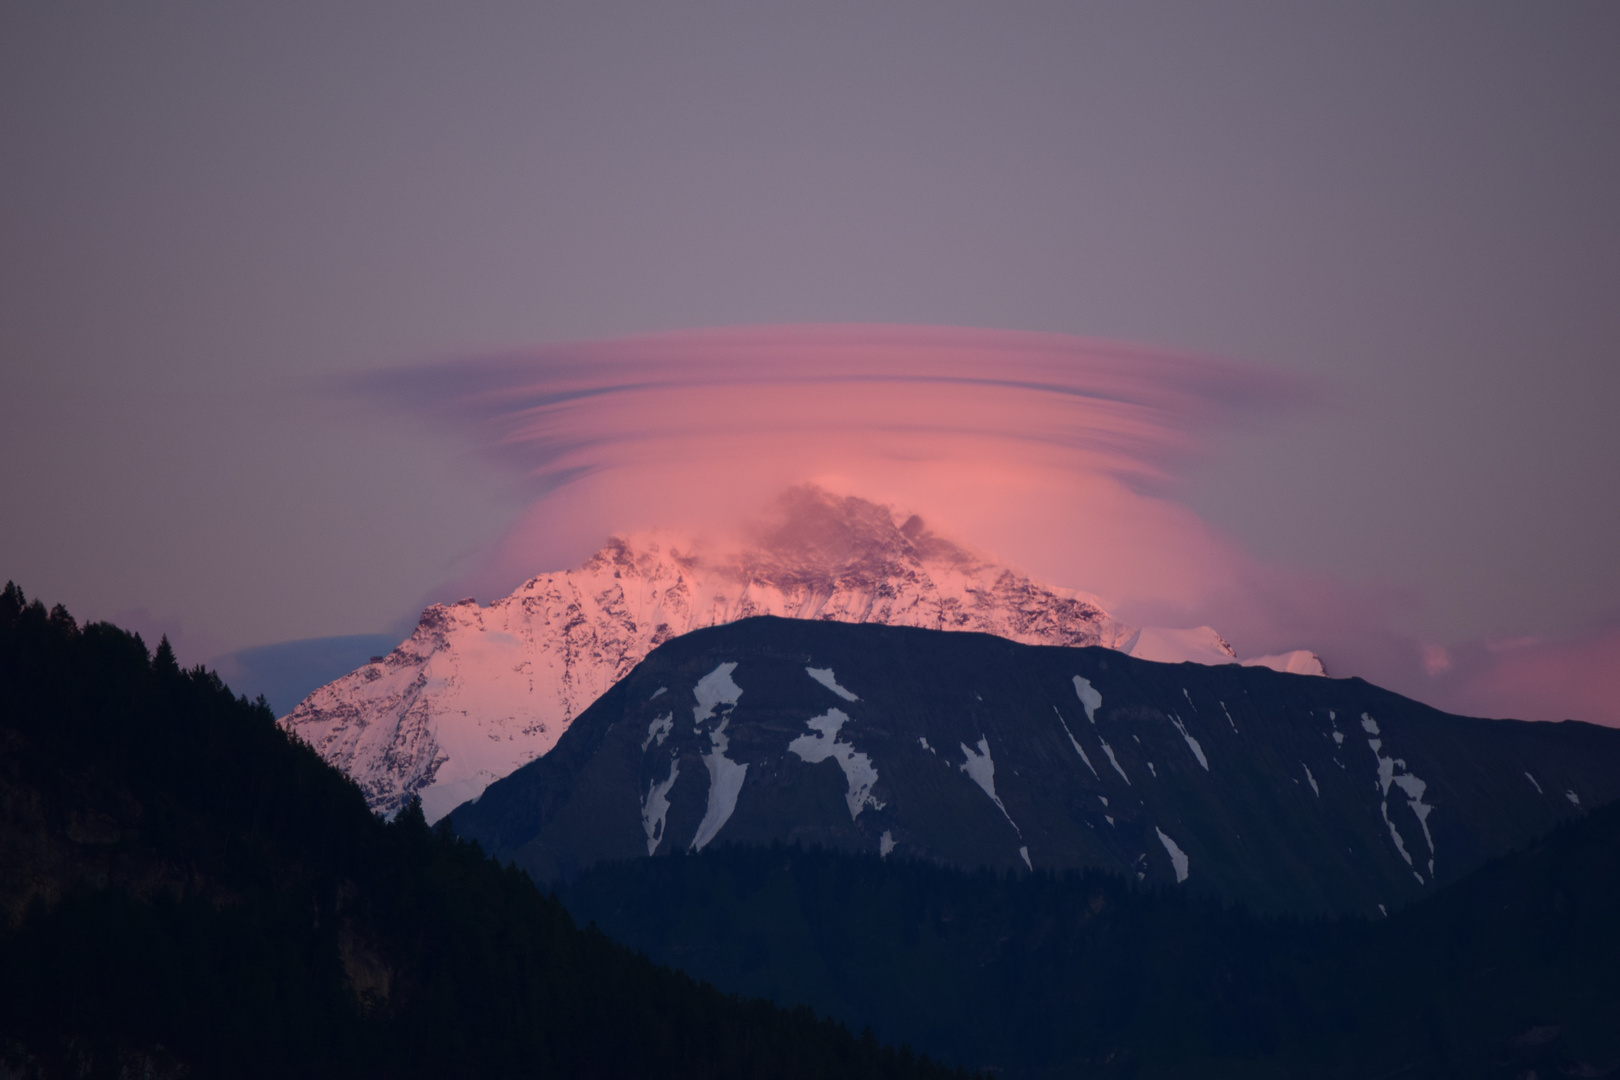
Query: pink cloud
point(1572, 678)
point(1052, 452)
point(1058, 455)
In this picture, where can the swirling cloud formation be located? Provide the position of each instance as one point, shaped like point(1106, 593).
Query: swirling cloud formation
point(1052, 453)
point(1059, 456)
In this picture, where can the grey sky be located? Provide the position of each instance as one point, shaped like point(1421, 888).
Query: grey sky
point(208, 212)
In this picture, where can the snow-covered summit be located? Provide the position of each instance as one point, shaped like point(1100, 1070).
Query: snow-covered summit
point(476, 692)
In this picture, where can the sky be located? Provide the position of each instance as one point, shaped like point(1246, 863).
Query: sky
point(230, 237)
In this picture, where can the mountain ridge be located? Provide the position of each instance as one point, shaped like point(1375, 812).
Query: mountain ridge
point(1284, 792)
point(477, 692)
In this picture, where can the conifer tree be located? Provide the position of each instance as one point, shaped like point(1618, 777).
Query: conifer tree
point(164, 662)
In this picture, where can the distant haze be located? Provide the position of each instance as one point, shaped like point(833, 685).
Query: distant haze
point(1398, 221)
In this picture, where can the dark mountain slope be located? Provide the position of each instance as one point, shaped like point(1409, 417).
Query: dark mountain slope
point(185, 891)
point(1507, 973)
point(1288, 793)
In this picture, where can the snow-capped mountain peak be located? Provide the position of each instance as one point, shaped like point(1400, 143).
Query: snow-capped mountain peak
point(477, 692)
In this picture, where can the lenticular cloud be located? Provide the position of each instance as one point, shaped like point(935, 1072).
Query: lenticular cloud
point(824, 393)
point(1052, 453)
point(1057, 456)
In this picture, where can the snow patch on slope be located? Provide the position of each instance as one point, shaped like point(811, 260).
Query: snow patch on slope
point(982, 771)
point(658, 730)
point(713, 690)
point(1090, 699)
point(1192, 743)
point(1178, 858)
point(655, 807)
point(725, 776)
point(824, 676)
point(1112, 760)
point(1410, 785)
point(725, 783)
point(859, 773)
point(1075, 743)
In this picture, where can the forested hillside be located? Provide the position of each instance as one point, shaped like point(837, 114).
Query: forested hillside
point(185, 891)
point(1508, 973)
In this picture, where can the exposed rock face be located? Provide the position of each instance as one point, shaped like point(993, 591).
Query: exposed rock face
point(477, 692)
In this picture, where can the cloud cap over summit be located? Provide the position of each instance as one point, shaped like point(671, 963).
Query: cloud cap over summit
point(1060, 456)
point(1050, 451)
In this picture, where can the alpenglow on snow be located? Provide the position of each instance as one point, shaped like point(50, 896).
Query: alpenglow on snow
point(477, 692)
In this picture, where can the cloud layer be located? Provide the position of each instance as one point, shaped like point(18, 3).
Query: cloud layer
point(1052, 452)
point(1057, 455)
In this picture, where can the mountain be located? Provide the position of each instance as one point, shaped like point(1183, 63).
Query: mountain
point(185, 891)
point(1507, 973)
point(1287, 793)
point(476, 692)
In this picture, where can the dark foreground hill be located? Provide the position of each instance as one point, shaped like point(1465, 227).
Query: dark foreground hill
point(184, 892)
point(1288, 793)
point(1509, 973)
